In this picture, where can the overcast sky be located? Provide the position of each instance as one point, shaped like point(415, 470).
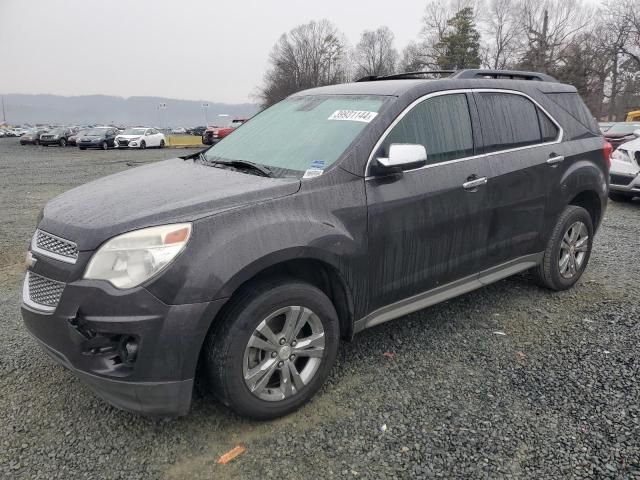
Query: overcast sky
point(189, 49)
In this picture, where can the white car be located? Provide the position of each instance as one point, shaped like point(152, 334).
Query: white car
point(625, 171)
point(141, 137)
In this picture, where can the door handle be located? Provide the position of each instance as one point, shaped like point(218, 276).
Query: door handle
point(555, 160)
point(473, 183)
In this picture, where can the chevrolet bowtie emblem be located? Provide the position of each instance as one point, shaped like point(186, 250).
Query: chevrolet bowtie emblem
point(30, 260)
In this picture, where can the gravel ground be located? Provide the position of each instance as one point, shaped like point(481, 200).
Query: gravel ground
point(510, 381)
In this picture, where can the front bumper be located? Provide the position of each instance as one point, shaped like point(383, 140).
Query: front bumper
point(625, 183)
point(51, 141)
point(89, 144)
point(92, 328)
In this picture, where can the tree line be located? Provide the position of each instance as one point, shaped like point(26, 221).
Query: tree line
point(594, 48)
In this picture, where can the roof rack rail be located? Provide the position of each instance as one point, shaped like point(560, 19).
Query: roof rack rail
point(397, 76)
point(467, 74)
point(504, 74)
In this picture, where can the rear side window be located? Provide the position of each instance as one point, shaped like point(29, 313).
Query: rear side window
point(442, 124)
point(574, 106)
point(508, 121)
point(549, 130)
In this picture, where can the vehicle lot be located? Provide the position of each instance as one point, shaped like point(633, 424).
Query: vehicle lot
point(556, 395)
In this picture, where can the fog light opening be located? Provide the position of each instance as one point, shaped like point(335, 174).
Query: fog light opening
point(129, 349)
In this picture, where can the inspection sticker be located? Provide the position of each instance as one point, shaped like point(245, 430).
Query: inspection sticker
point(353, 115)
point(312, 173)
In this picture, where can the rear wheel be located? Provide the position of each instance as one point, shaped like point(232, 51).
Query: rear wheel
point(273, 350)
point(568, 250)
point(620, 197)
point(161, 143)
point(62, 142)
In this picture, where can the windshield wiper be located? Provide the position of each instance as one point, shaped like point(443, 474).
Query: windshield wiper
point(241, 164)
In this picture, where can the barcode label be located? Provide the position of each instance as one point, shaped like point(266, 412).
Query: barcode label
point(353, 115)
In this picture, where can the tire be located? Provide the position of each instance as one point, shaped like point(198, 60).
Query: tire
point(36, 142)
point(228, 359)
point(104, 145)
point(551, 272)
point(143, 145)
point(620, 197)
point(82, 148)
point(62, 142)
point(161, 143)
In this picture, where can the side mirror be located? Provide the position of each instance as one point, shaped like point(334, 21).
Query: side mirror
point(637, 133)
point(404, 155)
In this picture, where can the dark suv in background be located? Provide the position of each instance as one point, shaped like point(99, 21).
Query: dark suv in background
point(337, 209)
point(56, 136)
point(98, 137)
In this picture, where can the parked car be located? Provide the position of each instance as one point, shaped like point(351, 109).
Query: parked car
point(197, 131)
point(621, 132)
point(32, 137)
point(335, 210)
point(57, 136)
point(141, 138)
point(73, 139)
point(213, 135)
point(179, 131)
point(625, 171)
point(99, 137)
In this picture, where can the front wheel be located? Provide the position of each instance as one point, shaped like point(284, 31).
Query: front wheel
point(273, 350)
point(104, 145)
point(568, 250)
point(143, 145)
point(63, 142)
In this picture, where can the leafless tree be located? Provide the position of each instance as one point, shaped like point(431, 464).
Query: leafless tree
point(375, 53)
point(310, 55)
point(504, 30)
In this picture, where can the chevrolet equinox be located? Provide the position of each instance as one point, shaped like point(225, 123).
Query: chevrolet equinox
point(337, 209)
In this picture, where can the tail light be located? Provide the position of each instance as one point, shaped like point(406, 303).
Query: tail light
point(607, 150)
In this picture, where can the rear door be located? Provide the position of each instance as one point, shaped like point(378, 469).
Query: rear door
point(521, 142)
point(425, 228)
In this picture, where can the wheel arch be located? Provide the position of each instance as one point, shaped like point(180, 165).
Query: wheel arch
point(305, 266)
point(590, 201)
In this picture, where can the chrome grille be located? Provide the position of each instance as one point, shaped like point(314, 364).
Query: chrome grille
point(43, 291)
point(56, 245)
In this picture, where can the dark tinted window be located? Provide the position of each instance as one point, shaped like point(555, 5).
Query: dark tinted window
point(442, 124)
point(574, 106)
point(549, 130)
point(508, 121)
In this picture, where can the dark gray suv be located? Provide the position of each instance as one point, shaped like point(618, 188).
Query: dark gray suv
point(335, 210)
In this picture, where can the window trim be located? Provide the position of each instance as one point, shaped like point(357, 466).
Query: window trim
point(418, 101)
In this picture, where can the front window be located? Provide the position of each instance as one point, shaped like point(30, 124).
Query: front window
point(134, 131)
point(300, 133)
point(624, 128)
point(97, 132)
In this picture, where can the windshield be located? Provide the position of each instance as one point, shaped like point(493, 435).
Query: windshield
point(96, 131)
point(134, 131)
point(300, 133)
point(57, 131)
point(624, 128)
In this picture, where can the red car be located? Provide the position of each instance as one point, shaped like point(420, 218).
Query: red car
point(213, 135)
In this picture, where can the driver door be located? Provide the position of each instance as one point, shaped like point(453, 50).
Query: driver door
point(429, 226)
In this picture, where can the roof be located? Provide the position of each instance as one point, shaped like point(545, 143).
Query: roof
point(397, 88)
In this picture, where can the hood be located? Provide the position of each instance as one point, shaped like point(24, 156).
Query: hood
point(171, 191)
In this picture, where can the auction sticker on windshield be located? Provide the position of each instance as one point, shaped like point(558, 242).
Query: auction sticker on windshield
point(353, 115)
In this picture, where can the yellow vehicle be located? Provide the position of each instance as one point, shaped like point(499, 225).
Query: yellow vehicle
point(633, 116)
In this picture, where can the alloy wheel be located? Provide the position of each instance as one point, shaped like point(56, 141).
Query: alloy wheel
point(284, 353)
point(573, 249)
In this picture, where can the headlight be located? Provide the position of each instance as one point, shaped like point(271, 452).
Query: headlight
point(621, 156)
point(130, 259)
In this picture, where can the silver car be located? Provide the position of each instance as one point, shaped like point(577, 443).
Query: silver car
point(625, 171)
